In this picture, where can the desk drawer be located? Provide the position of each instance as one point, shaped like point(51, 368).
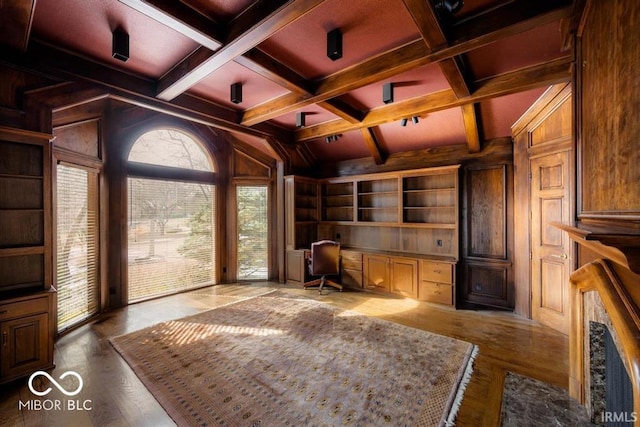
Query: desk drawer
point(435, 292)
point(24, 308)
point(351, 264)
point(433, 271)
point(351, 256)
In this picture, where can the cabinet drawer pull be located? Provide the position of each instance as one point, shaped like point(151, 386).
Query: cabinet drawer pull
point(437, 271)
point(4, 312)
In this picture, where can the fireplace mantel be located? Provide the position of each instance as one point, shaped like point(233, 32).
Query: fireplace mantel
point(616, 280)
point(619, 244)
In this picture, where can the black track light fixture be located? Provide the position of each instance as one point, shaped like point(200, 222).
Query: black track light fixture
point(120, 45)
point(387, 93)
point(415, 120)
point(236, 93)
point(446, 8)
point(334, 44)
point(301, 120)
point(403, 122)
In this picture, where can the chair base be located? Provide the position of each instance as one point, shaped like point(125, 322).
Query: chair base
point(322, 281)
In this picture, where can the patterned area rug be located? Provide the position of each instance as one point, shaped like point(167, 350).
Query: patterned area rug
point(280, 359)
point(529, 402)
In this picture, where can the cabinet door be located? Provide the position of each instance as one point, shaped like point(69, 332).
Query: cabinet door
point(376, 272)
point(404, 277)
point(295, 266)
point(24, 345)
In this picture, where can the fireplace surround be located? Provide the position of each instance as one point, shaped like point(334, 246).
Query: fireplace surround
point(605, 291)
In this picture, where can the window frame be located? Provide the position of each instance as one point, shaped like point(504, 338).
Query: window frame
point(133, 169)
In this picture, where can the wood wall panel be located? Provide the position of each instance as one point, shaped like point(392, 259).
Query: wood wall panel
point(487, 213)
point(487, 237)
point(487, 285)
point(610, 91)
point(82, 138)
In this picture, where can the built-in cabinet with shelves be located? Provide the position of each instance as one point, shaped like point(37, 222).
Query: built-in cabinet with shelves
point(27, 301)
point(388, 224)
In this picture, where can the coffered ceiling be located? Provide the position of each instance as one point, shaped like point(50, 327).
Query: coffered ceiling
point(466, 76)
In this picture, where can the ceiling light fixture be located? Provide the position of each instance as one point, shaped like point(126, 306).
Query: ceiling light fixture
point(448, 7)
point(236, 93)
point(334, 44)
point(415, 120)
point(403, 122)
point(301, 119)
point(331, 138)
point(120, 45)
point(387, 93)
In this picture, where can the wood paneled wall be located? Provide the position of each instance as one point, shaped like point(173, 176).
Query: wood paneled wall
point(487, 237)
point(608, 106)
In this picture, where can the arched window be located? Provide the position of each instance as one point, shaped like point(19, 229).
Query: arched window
point(171, 215)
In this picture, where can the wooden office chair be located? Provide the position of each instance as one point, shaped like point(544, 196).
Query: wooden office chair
point(324, 261)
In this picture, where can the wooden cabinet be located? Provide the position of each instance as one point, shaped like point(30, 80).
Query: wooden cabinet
point(376, 272)
point(295, 259)
point(378, 200)
point(27, 308)
point(437, 280)
point(27, 329)
point(351, 268)
point(398, 275)
point(404, 276)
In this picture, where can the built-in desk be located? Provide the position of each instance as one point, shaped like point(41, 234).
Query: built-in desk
point(423, 277)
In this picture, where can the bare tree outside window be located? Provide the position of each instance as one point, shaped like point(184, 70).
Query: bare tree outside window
point(170, 225)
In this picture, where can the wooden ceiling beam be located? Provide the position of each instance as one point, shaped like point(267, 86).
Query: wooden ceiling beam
point(424, 16)
point(204, 31)
point(471, 127)
point(372, 144)
point(253, 26)
point(516, 81)
point(181, 18)
point(415, 54)
point(140, 91)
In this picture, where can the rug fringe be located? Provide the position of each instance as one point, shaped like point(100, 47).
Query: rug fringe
point(466, 377)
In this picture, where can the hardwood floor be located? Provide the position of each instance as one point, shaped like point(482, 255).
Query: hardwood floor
point(506, 343)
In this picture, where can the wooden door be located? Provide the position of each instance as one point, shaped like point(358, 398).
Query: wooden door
point(550, 260)
point(376, 272)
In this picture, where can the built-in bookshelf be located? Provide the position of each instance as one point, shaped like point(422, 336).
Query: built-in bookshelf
point(378, 200)
point(407, 211)
point(302, 205)
point(430, 199)
point(337, 201)
point(24, 201)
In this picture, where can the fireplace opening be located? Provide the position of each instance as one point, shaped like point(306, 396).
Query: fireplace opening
point(610, 386)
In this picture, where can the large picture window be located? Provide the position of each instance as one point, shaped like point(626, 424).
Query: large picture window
point(171, 216)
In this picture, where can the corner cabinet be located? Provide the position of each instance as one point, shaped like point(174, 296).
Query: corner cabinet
point(27, 301)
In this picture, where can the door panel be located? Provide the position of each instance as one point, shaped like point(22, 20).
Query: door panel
point(550, 261)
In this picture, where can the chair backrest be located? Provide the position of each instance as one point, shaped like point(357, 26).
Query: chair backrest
point(325, 257)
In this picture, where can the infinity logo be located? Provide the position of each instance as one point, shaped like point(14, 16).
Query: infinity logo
point(58, 386)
